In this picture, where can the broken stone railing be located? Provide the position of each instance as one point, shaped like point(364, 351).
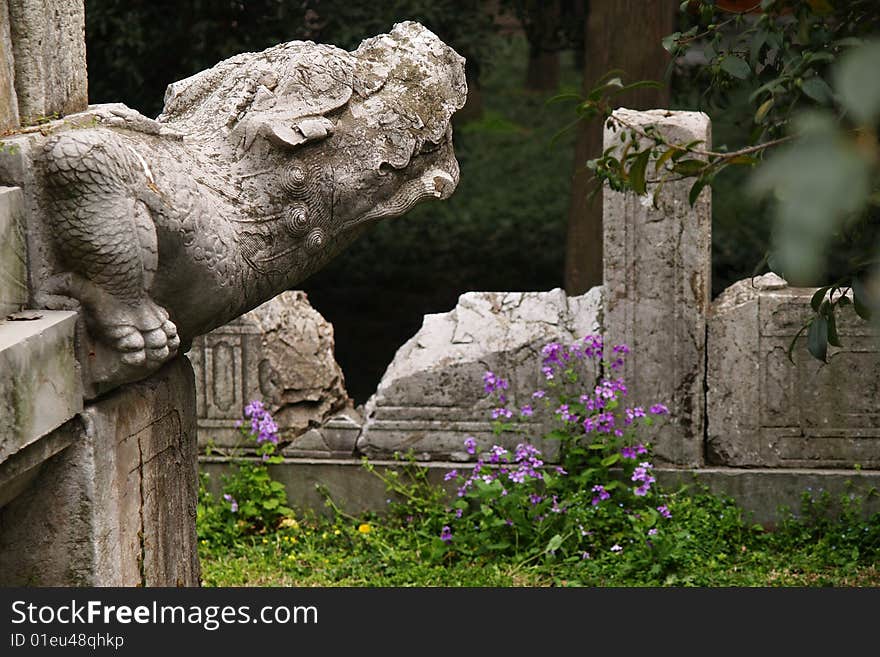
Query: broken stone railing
point(743, 418)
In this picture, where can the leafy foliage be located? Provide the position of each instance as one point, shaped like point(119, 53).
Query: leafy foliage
point(252, 502)
point(811, 147)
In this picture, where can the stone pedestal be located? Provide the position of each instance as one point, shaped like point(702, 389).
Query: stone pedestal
point(765, 410)
point(657, 269)
point(118, 506)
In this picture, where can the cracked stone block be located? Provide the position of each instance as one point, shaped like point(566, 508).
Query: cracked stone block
point(48, 51)
point(281, 353)
point(657, 275)
point(117, 507)
point(431, 396)
point(336, 438)
point(765, 410)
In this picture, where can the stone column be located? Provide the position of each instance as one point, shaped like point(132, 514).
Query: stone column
point(8, 97)
point(657, 272)
point(118, 506)
point(49, 54)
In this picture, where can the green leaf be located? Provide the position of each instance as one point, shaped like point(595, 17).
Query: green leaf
point(858, 84)
point(637, 172)
point(817, 338)
point(664, 158)
point(270, 504)
point(696, 188)
point(860, 299)
point(668, 42)
point(610, 460)
point(554, 543)
point(833, 337)
point(736, 66)
point(817, 89)
point(689, 167)
point(818, 296)
point(763, 109)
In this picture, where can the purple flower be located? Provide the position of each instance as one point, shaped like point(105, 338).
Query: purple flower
point(628, 453)
point(664, 511)
point(233, 505)
point(560, 470)
point(458, 513)
point(585, 555)
point(501, 412)
point(491, 383)
point(652, 531)
point(535, 499)
point(526, 411)
point(659, 409)
point(616, 548)
point(470, 445)
point(446, 534)
point(496, 453)
point(539, 394)
point(452, 474)
point(601, 494)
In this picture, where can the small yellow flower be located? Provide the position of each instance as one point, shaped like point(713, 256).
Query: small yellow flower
point(364, 528)
point(291, 556)
point(336, 532)
point(325, 535)
point(290, 522)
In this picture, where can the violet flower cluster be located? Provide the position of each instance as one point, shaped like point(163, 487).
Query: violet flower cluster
point(263, 427)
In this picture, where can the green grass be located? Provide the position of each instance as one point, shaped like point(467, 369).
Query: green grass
point(709, 543)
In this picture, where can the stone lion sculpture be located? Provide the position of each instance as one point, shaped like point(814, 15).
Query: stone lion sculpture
point(257, 172)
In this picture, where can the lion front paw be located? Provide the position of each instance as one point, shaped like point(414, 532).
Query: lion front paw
point(146, 339)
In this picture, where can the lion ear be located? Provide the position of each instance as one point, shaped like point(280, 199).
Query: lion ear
point(300, 131)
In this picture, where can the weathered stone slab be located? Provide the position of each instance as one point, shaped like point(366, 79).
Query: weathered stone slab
point(657, 268)
point(117, 507)
point(49, 53)
point(431, 396)
point(763, 409)
point(280, 353)
point(13, 252)
point(39, 384)
point(8, 98)
point(336, 438)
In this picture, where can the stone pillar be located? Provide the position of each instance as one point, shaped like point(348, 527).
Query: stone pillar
point(118, 506)
point(13, 252)
point(8, 97)
point(765, 410)
point(657, 271)
point(49, 54)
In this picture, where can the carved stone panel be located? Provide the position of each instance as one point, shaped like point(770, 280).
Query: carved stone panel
point(280, 353)
point(767, 410)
